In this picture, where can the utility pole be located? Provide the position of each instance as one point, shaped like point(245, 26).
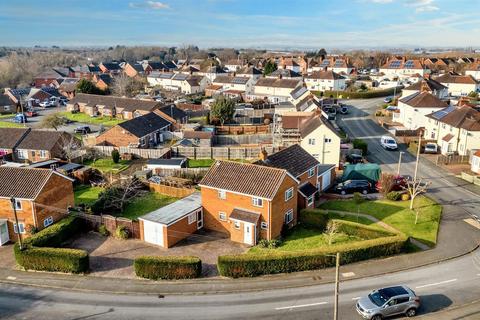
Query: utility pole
point(418, 154)
point(399, 162)
point(13, 201)
point(337, 283)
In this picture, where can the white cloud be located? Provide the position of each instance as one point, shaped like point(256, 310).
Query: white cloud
point(427, 8)
point(155, 5)
point(423, 5)
point(381, 1)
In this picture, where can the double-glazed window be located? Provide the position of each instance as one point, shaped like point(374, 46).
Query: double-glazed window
point(222, 194)
point(289, 194)
point(47, 221)
point(257, 202)
point(288, 216)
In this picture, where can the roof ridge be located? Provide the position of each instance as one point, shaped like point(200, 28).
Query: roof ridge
point(250, 164)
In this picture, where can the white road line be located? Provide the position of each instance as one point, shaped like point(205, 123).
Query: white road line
point(11, 278)
point(436, 284)
point(356, 298)
point(302, 305)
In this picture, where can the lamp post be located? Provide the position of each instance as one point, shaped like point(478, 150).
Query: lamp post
point(337, 283)
point(418, 154)
point(13, 201)
point(399, 162)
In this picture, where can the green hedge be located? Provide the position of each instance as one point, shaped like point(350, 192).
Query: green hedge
point(362, 145)
point(251, 265)
point(357, 95)
point(168, 267)
point(361, 230)
point(38, 253)
point(313, 219)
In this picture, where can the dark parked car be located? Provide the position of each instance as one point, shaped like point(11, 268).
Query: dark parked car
point(83, 129)
point(354, 158)
point(351, 186)
point(344, 109)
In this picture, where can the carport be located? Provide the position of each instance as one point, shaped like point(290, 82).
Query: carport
point(170, 224)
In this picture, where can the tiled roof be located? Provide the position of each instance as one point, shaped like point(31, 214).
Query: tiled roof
point(448, 137)
point(286, 73)
point(144, 125)
point(24, 183)
point(243, 215)
point(42, 139)
point(11, 137)
point(432, 84)
point(294, 159)
point(127, 104)
point(277, 83)
point(307, 189)
point(451, 78)
point(250, 71)
point(250, 179)
point(327, 75)
point(197, 135)
point(464, 117)
point(423, 100)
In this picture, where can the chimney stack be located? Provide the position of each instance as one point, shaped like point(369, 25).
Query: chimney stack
point(263, 154)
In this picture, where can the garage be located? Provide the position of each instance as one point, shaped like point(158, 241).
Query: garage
point(326, 173)
point(170, 224)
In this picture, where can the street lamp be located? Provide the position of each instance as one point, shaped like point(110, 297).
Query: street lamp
point(13, 201)
point(399, 162)
point(337, 283)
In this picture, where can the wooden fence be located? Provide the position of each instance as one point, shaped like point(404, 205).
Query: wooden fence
point(225, 153)
point(452, 159)
point(228, 140)
point(251, 129)
point(142, 153)
point(171, 191)
point(111, 223)
point(180, 172)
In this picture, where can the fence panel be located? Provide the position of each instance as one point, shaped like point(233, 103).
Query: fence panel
point(111, 223)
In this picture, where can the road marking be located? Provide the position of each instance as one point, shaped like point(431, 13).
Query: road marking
point(11, 278)
point(436, 284)
point(302, 305)
point(472, 222)
point(348, 274)
point(356, 298)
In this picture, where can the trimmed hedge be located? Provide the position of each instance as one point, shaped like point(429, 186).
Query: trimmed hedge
point(357, 95)
point(168, 267)
point(362, 231)
point(251, 265)
point(313, 219)
point(38, 253)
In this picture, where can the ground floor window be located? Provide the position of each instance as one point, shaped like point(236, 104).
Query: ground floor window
point(236, 224)
point(310, 200)
point(289, 216)
point(48, 221)
point(264, 225)
point(21, 226)
point(222, 216)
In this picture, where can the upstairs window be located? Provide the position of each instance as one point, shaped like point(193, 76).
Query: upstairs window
point(257, 202)
point(289, 194)
point(222, 194)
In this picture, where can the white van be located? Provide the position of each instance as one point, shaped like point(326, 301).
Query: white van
point(388, 143)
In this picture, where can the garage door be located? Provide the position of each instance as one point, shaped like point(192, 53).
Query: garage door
point(153, 232)
point(326, 180)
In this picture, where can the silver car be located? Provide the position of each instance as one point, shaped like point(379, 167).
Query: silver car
point(386, 302)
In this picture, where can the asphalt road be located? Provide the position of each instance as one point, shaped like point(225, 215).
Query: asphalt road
point(440, 286)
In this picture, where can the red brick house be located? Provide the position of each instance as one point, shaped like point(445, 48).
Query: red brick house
point(9, 140)
point(41, 197)
point(248, 201)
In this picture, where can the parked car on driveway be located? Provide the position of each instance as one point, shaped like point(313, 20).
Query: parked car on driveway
point(82, 130)
point(388, 143)
point(20, 118)
point(387, 302)
point(351, 186)
point(354, 158)
point(431, 148)
point(31, 113)
point(46, 104)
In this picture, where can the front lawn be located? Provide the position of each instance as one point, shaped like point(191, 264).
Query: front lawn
point(200, 163)
point(107, 165)
point(86, 194)
point(8, 124)
point(398, 215)
point(85, 118)
point(6, 116)
point(145, 204)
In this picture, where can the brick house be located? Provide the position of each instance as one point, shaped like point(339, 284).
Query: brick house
point(110, 67)
point(40, 145)
point(136, 69)
point(118, 107)
point(305, 168)
point(143, 132)
point(248, 201)
point(42, 197)
point(103, 81)
point(9, 140)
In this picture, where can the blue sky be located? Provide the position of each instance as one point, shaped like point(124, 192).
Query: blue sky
point(241, 23)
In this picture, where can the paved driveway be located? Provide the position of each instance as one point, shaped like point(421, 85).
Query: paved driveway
point(110, 257)
point(7, 260)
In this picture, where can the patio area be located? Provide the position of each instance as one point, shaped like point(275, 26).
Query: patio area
point(110, 257)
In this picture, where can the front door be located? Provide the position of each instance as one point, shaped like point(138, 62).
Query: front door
point(199, 219)
point(4, 238)
point(248, 233)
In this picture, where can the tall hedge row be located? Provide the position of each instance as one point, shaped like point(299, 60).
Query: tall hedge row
point(168, 267)
point(39, 252)
point(358, 95)
point(251, 265)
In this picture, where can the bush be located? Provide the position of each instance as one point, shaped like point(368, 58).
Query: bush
point(169, 267)
point(251, 265)
point(52, 259)
point(37, 253)
point(122, 233)
point(115, 156)
point(269, 244)
point(394, 195)
point(362, 145)
point(103, 230)
point(30, 229)
point(405, 197)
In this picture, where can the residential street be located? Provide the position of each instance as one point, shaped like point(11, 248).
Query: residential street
point(440, 286)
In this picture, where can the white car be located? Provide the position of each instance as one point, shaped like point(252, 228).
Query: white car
point(46, 104)
point(388, 143)
point(431, 148)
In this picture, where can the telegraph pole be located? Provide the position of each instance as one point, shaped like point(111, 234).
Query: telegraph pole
point(13, 201)
point(337, 283)
point(418, 154)
point(399, 162)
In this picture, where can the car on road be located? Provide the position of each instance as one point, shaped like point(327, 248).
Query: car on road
point(431, 147)
point(354, 158)
point(82, 129)
point(387, 302)
point(388, 143)
point(20, 118)
point(46, 104)
point(388, 99)
point(351, 186)
point(31, 113)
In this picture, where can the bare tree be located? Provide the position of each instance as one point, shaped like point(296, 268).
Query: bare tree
point(333, 228)
point(52, 122)
point(125, 86)
point(415, 188)
point(92, 154)
point(70, 146)
point(387, 182)
point(123, 192)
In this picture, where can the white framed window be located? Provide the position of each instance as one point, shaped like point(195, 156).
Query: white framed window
point(222, 194)
point(328, 140)
point(236, 224)
point(311, 172)
point(288, 216)
point(289, 194)
point(22, 227)
point(22, 154)
point(311, 141)
point(310, 200)
point(222, 216)
point(18, 204)
point(47, 221)
point(257, 202)
point(192, 217)
point(264, 225)
point(43, 153)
